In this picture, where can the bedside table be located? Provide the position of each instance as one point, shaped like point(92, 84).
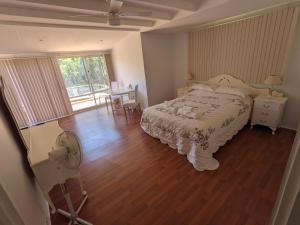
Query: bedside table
point(267, 111)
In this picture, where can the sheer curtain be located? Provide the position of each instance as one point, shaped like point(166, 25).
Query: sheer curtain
point(35, 92)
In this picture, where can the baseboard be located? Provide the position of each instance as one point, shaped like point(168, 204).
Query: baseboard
point(289, 128)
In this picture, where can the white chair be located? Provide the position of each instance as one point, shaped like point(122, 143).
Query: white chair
point(132, 104)
point(114, 86)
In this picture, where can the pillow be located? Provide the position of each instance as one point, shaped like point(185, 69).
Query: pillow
point(203, 87)
point(242, 92)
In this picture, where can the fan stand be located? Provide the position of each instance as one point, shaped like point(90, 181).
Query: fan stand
point(72, 215)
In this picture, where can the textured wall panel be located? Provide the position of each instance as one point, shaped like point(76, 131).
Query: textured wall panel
point(250, 48)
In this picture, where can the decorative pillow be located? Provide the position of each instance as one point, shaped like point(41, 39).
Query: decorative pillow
point(242, 92)
point(203, 87)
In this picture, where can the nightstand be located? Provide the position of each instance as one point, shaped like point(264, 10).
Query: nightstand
point(181, 91)
point(267, 111)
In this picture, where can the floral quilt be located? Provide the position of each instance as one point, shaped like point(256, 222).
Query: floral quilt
point(197, 124)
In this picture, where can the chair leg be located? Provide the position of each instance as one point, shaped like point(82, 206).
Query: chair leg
point(131, 112)
point(124, 108)
point(111, 104)
point(106, 103)
point(139, 109)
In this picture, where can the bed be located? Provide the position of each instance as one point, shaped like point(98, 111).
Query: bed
point(201, 121)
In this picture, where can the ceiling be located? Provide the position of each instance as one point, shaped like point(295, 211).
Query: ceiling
point(29, 26)
point(26, 39)
point(218, 10)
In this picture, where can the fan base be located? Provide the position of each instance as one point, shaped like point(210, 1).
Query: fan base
point(74, 219)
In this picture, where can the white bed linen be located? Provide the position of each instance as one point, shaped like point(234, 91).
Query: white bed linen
point(223, 115)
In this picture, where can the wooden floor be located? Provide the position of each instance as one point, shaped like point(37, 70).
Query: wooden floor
point(132, 178)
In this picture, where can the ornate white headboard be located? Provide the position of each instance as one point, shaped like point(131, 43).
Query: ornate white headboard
point(231, 81)
point(227, 80)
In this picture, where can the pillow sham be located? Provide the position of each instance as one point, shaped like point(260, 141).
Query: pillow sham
point(242, 92)
point(203, 87)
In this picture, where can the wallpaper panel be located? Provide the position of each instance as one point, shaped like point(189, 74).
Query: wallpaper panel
point(249, 49)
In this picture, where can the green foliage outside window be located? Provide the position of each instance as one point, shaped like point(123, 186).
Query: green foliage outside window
point(84, 75)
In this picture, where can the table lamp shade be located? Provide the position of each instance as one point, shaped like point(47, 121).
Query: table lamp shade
point(273, 80)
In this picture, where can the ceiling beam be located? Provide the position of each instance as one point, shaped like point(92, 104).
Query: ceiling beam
point(64, 26)
point(174, 4)
point(49, 16)
point(89, 7)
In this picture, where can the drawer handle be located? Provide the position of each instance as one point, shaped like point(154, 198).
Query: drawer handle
point(265, 113)
point(266, 106)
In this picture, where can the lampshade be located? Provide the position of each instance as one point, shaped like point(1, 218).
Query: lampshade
point(273, 80)
point(189, 76)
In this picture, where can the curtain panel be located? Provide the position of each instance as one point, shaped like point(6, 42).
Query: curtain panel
point(12, 97)
point(34, 90)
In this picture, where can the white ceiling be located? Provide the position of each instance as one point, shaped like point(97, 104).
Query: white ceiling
point(23, 39)
point(217, 10)
point(37, 26)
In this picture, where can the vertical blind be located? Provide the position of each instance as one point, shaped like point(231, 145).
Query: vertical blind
point(34, 91)
point(250, 49)
point(11, 96)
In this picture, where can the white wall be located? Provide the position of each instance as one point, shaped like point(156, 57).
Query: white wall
point(157, 52)
point(179, 60)
point(166, 64)
point(158, 60)
point(291, 83)
point(127, 57)
point(295, 215)
point(286, 203)
point(17, 185)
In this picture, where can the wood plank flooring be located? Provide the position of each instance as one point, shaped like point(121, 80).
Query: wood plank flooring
point(132, 178)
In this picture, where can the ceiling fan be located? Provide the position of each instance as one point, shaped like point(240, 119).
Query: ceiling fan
point(115, 13)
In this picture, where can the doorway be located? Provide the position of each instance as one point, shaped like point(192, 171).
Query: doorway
point(85, 78)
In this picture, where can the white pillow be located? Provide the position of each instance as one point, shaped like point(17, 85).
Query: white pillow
point(233, 91)
point(203, 87)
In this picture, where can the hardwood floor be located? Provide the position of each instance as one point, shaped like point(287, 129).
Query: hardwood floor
point(132, 178)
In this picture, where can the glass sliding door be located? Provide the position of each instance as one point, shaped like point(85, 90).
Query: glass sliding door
point(97, 73)
point(85, 78)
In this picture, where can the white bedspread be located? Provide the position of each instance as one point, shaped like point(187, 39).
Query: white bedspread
point(197, 124)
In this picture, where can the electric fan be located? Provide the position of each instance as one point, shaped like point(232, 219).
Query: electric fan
point(67, 156)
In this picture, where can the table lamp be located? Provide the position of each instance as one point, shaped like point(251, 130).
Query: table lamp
point(273, 80)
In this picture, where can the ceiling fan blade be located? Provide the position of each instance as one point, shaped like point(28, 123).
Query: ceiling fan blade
point(80, 15)
point(145, 14)
point(115, 6)
point(87, 15)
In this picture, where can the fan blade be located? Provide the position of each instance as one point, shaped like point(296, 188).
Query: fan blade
point(115, 6)
point(87, 15)
point(80, 15)
point(145, 14)
point(68, 150)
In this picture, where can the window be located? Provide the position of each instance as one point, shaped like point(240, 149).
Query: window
point(85, 79)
